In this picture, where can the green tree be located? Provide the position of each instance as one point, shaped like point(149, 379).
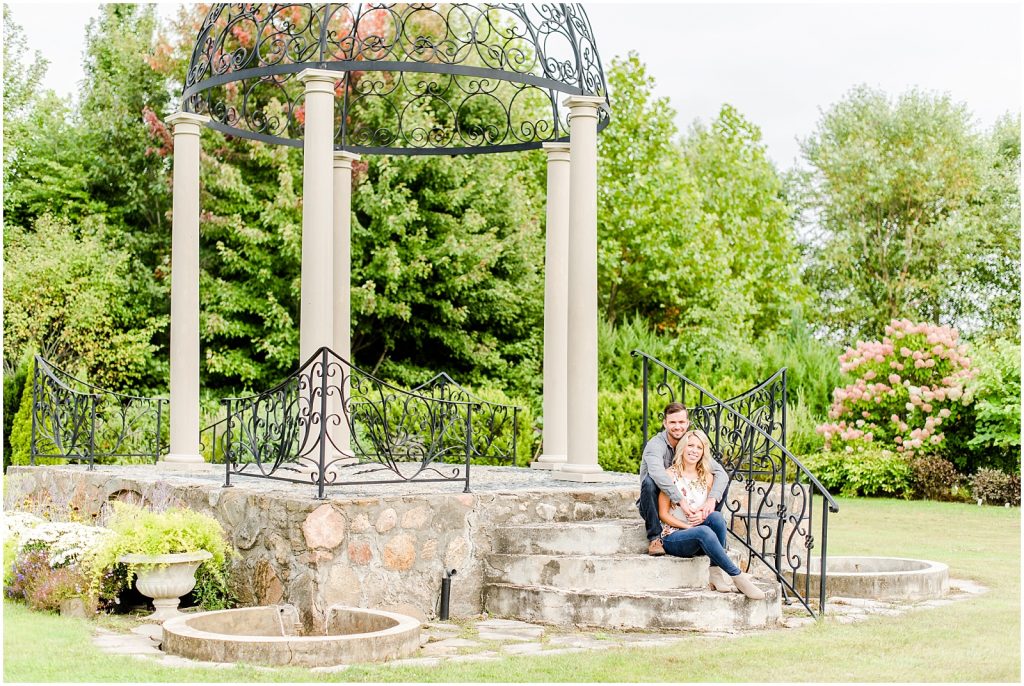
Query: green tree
point(67, 296)
point(21, 86)
point(741, 199)
point(694, 235)
point(127, 174)
point(646, 203)
point(250, 256)
point(896, 201)
point(982, 273)
point(447, 272)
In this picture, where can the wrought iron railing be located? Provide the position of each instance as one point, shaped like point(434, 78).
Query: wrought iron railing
point(212, 441)
point(76, 421)
point(332, 424)
point(774, 515)
point(495, 426)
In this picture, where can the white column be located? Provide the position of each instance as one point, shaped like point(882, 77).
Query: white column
point(343, 279)
point(343, 253)
point(556, 308)
point(316, 311)
point(184, 383)
point(581, 457)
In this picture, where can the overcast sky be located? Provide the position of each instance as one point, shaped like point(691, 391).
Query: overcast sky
point(779, 64)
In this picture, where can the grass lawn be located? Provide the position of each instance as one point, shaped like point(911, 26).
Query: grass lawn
point(974, 640)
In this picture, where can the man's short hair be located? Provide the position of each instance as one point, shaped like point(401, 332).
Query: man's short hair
point(672, 408)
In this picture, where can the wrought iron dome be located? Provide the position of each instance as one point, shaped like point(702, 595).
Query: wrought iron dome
point(413, 79)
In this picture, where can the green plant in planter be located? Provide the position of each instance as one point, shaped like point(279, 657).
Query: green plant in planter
point(175, 530)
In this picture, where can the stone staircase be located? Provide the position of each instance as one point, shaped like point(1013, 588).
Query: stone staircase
point(598, 574)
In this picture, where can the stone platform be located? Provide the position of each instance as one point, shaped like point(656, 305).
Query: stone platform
point(378, 546)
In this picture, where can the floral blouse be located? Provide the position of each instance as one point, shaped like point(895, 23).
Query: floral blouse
point(695, 492)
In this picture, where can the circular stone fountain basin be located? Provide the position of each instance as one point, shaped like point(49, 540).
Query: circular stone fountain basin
point(273, 635)
point(880, 578)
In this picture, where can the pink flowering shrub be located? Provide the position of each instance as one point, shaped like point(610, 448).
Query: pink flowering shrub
point(906, 388)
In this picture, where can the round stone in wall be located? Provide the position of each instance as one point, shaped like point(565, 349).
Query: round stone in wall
point(324, 528)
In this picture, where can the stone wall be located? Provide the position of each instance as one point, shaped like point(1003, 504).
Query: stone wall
point(383, 552)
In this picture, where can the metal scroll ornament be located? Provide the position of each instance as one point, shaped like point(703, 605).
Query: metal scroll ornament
point(412, 78)
point(332, 424)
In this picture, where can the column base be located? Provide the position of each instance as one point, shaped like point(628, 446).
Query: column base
point(550, 462)
point(581, 474)
point(184, 463)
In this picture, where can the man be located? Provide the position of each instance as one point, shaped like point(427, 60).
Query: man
point(658, 455)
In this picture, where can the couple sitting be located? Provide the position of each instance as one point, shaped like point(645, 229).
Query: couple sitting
point(681, 489)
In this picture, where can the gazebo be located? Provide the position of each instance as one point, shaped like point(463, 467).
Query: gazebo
point(344, 80)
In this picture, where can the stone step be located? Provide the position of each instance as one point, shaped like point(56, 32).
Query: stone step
point(595, 537)
point(685, 609)
point(622, 572)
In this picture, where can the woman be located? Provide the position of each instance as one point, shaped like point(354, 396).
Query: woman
point(686, 535)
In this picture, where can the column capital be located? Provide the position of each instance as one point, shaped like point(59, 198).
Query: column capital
point(344, 159)
point(186, 123)
point(319, 79)
point(580, 104)
point(557, 151)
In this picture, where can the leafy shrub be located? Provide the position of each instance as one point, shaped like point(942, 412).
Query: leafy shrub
point(801, 436)
point(936, 478)
point(14, 388)
point(10, 554)
point(904, 389)
point(620, 430)
point(828, 467)
point(994, 486)
point(212, 591)
point(26, 571)
point(526, 438)
point(42, 586)
point(21, 433)
point(867, 472)
point(996, 390)
point(617, 369)
point(45, 562)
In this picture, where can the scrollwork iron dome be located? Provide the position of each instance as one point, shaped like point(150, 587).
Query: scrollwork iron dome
point(413, 79)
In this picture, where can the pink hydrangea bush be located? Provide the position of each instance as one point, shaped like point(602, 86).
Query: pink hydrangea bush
point(906, 388)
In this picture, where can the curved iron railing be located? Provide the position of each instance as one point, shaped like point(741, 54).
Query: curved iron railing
point(765, 405)
point(495, 426)
point(332, 424)
point(74, 420)
point(411, 78)
point(774, 515)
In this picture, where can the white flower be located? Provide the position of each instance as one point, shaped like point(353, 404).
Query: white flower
point(64, 542)
point(16, 524)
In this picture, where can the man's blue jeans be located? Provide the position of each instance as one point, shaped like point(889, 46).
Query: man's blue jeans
point(707, 538)
point(648, 505)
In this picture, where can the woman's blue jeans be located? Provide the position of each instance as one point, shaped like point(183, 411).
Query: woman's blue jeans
point(707, 538)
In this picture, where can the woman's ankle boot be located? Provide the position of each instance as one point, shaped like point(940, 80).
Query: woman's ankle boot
point(747, 587)
point(720, 581)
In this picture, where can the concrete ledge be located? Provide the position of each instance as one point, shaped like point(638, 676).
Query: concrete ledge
point(259, 635)
point(692, 610)
point(600, 573)
point(880, 578)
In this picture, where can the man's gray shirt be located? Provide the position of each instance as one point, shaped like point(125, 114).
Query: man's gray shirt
point(658, 456)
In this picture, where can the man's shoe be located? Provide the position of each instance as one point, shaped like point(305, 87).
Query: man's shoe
point(656, 547)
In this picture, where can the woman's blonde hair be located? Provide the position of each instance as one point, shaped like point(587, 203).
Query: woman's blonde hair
point(704, 466)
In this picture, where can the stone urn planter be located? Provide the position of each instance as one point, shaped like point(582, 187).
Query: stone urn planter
point(165, 578)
